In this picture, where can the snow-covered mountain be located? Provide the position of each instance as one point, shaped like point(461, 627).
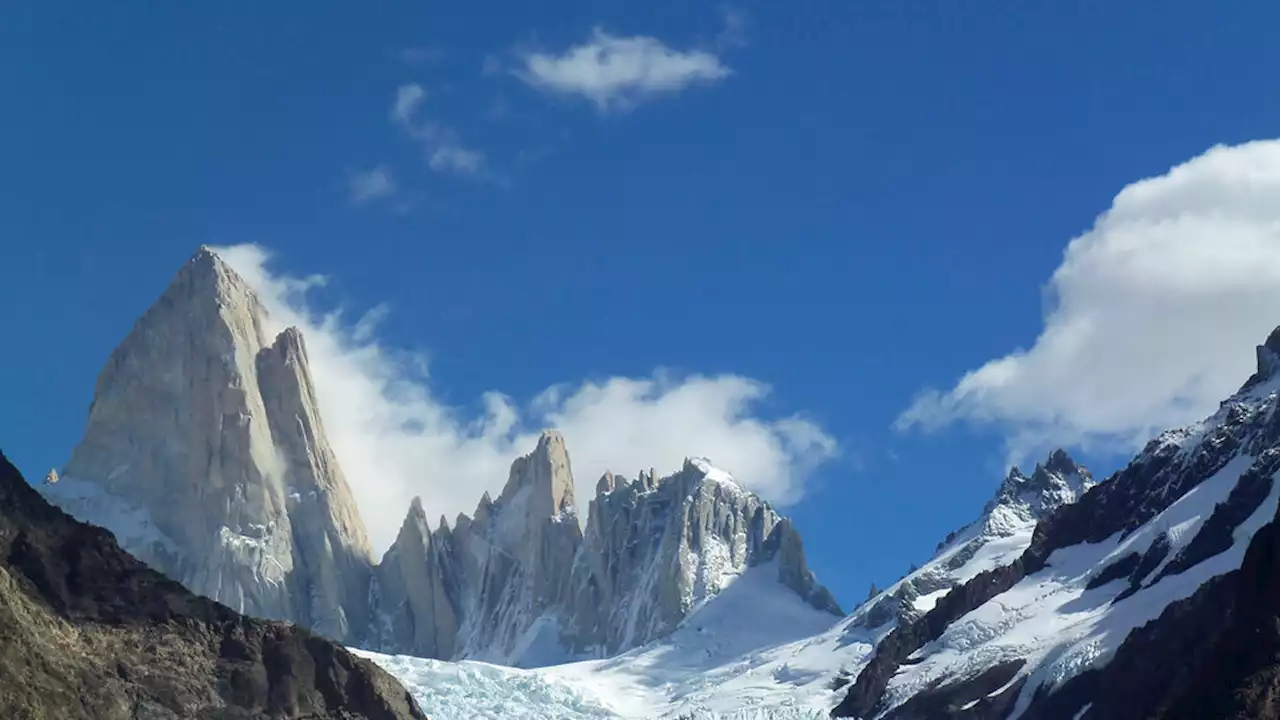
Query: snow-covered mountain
point(1139, 600)
point(756, 650)
point(205, 454)
point(1151, 595)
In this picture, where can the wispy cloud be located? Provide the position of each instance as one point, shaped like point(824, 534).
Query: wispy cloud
point(370, 185)
point(408, 100)
point(423, 56)
point(736, 25)
point(1156, 310)
point(444, 149)
point(395, 438)
point(618, 73)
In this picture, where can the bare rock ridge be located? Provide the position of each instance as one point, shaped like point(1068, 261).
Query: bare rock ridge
point(521, 584)
point(89, 632)
point(205, 454)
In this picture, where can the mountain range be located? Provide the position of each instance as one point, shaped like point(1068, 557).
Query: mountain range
point(205, 454)
point(1150, 594)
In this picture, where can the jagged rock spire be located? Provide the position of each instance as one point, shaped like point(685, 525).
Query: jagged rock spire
point(547, 474)
point(1055, 482)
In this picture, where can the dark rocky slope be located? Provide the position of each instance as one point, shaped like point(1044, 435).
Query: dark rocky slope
point(1215, 654)
point(87, 631)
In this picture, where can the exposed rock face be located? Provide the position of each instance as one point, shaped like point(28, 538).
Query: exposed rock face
point(493, 587)
point(89, 632)
point(655, 549)
point(418, 584)
point(521, 584)
point(205, 454)
point(1139, 600)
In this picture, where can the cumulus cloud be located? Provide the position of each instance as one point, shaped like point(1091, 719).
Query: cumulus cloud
point(396, 439)
point(1154, 313)
point(444, 149)
point(620, 72)
point(369, 185)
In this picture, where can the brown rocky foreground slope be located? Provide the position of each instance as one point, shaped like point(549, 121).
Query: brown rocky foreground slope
point(87, 631)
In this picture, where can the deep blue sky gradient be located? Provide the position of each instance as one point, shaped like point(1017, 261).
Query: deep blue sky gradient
point(869, 205)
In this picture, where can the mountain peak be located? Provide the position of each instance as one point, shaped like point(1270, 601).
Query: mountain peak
point(1057, 481)
point(1268, 359)
point(207, 275)
point(550, 437)
point(606, 484)
point(1272, 342)
point(1061, 463)
point(415, 508)
point(545, 475)
point(199, 391)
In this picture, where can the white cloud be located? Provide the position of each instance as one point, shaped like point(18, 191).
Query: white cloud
point(444, 150)
point(409, 99)
point(620, 72)
point(396, 439)
point(370, 185)
point(1155, 313)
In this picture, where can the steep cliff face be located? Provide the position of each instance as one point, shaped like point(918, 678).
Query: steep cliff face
point(657, 549)
point(89, 632)
point(205, 454)
point(494, 587)
point(1123, 600)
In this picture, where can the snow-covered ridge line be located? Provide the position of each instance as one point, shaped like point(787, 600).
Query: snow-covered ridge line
point(1180, 515)
point(755, 649)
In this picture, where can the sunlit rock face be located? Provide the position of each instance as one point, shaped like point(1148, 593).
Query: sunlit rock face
point(521, 584)
point(205, 455)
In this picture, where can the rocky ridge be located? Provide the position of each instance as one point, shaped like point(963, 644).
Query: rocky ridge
point(519, 583)
point(1000, 534)
point(89, 632)
point(1149, 597)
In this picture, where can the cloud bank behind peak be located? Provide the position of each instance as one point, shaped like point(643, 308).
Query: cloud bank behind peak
point(395, 438)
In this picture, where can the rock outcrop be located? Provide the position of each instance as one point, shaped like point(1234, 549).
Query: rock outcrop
point(87, 632)
point(205, 454)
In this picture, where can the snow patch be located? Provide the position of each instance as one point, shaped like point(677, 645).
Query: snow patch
point(90, 502)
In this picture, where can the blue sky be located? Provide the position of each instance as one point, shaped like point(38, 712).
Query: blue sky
point(848, 202)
